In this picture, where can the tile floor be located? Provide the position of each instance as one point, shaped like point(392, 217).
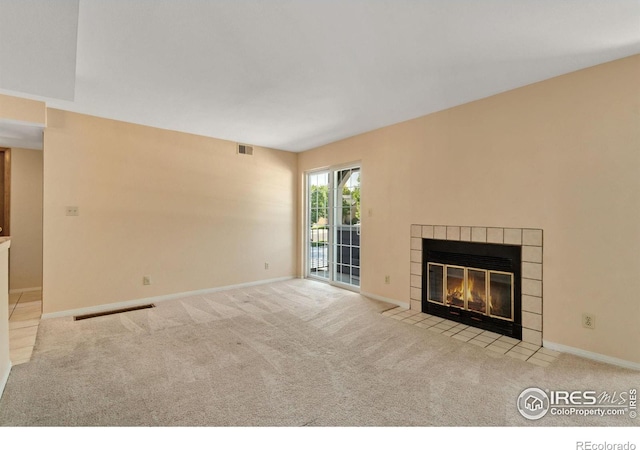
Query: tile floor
point(494, 342)
point(25, 310)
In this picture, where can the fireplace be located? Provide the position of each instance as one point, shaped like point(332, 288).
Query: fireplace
point(484, 296)
point(477, 284)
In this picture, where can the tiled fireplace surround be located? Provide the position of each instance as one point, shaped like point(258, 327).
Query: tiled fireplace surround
point(529, 239)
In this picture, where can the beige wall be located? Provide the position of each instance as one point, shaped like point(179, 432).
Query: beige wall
point(25, 255)
point(562, 155)
point(185, 210)
point(22, 109)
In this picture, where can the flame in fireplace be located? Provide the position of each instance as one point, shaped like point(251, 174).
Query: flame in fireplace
point(455, 291)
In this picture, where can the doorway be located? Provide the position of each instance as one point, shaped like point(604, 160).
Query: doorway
point(5, 191)
point(333, 231)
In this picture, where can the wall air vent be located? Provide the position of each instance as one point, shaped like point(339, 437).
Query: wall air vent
point(113, 311)
point(245, 149)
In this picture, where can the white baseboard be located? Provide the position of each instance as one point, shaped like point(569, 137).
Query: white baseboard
point(591, 355)
point(20, 291)
point(160, 298)
point(4, 377)
point(386, 300)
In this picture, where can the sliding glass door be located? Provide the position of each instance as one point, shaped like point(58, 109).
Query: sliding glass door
point(318, 218)
point(333, 232)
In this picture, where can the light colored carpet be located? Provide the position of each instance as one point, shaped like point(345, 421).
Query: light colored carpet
point(292, 353)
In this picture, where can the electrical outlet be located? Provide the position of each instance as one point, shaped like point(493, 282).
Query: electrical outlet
point(588, 320)
point(146, 281)
point(72, 211)
point(266, 266)
point(387, 279)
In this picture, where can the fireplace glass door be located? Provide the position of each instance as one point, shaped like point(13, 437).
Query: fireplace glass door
point(436, 283)
point(455, 286)
point(477, 290)
point(486, 292)
point(501, 295)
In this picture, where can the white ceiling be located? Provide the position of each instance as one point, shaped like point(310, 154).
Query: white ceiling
point(296, 74)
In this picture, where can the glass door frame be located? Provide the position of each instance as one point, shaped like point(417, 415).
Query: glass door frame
point(332, 224)
point(308, 224)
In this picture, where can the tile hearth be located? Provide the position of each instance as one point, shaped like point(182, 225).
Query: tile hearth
point(493, 342)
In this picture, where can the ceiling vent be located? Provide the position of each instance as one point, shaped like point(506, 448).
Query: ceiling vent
point(245, 149)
